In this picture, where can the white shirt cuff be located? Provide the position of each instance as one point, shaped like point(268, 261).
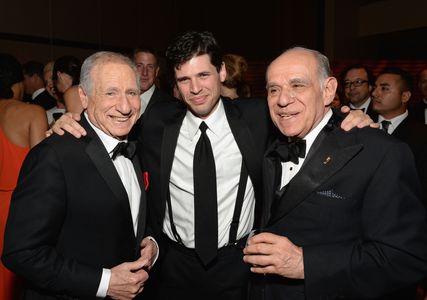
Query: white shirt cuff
point(158, 249)
point(103, 285)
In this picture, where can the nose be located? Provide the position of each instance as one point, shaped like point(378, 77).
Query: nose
point(286, 97)
point(123, 105)
point(374, 92)
point(194, 86)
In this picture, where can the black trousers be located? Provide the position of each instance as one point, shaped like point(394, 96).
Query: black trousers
point(179, 274)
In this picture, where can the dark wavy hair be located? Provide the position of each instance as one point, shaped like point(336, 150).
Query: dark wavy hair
point(10, 73)
point(67, 64)
point(191, 44)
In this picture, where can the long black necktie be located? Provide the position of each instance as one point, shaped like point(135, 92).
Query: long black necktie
point(127, 149)
point(385, 124)
point(205, 199)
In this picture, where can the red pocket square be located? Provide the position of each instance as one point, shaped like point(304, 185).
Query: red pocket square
point(146, 181)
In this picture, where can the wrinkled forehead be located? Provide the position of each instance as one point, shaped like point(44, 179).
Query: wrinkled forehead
point(294, 63)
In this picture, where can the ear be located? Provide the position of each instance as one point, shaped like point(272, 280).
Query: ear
point(406, 95)
point(83, 97)
point(329, 90)
point(222, 72)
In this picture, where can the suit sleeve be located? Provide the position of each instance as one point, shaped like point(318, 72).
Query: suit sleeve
point(391, 252)
point(37, 211)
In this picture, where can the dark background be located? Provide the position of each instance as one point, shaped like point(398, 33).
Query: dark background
point(345, 30)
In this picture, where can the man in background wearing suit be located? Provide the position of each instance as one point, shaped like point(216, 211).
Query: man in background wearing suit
point(325, 235)
point(147, 64)
point(35, 86)
point(77, 218)
point(357, 81)
point(391, 95)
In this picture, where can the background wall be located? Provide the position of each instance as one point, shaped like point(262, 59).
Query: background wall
point(344, 30)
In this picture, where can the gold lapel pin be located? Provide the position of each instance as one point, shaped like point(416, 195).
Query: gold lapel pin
point(328, 159)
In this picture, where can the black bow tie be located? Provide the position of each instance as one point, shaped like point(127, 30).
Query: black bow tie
point(125, 149)
point(290, 151)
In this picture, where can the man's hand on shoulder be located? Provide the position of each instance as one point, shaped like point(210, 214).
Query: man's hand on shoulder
point(356, 118)
point(67, 122)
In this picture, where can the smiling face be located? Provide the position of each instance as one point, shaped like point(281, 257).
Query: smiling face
point(199, 83)
point(357, 95)
point(296, 99)
point(113, 105)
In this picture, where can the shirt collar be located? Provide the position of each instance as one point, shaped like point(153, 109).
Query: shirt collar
point(215, 121)
point(145, 98)
point(312, 135)
point(36, 93)
point(364, 106)
point(108, 141)
point(394, 121)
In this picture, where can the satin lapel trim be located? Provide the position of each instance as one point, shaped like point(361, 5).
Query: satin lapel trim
point(320, 165)
point(169, 141)
point(244, 140)
point(102, 161)
point(143, 201)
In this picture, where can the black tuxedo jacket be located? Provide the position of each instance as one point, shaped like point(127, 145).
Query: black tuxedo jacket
point(158, 96)
point(69, 218)
point(249, 122)
point(414, 133)
point(354, 208)
point(45, 100)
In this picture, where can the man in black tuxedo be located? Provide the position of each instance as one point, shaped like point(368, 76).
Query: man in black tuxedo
point(342, 217)
point(34, 85)
point(390, 97)
point(77, 217)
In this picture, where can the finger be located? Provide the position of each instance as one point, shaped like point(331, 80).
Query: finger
point(345, 109)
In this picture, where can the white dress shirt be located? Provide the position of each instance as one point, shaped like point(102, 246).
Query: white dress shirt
point(36, 93)
point(228, 161)
point(393, 122)
point(289, 169)
point(145, 99)
point(128, 176)
point(364, 106)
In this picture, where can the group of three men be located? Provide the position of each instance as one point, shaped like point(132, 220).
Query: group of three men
point(77, 218)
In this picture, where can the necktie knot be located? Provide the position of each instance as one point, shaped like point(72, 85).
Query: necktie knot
point(291, 151)
point(127, 149)
point(203, 127)
point(385, 124)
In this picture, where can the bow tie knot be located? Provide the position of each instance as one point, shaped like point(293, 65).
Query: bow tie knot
point(291, 151)
point(127, 149)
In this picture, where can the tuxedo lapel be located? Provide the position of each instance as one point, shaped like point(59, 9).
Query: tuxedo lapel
point(102, 161)
point(244, 140)
point(325, 158)
point(143, 201)
point(169, 141)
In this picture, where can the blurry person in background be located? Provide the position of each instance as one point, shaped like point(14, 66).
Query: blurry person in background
point(234, 86)
point(22, 126)
point(66, 77)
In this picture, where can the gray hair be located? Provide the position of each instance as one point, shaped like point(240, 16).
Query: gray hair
point(100, 58)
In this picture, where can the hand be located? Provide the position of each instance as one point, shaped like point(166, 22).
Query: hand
point(269, 253)
point(67, 122)
point(149, 250)
point(356, 118)
point(127, 280)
